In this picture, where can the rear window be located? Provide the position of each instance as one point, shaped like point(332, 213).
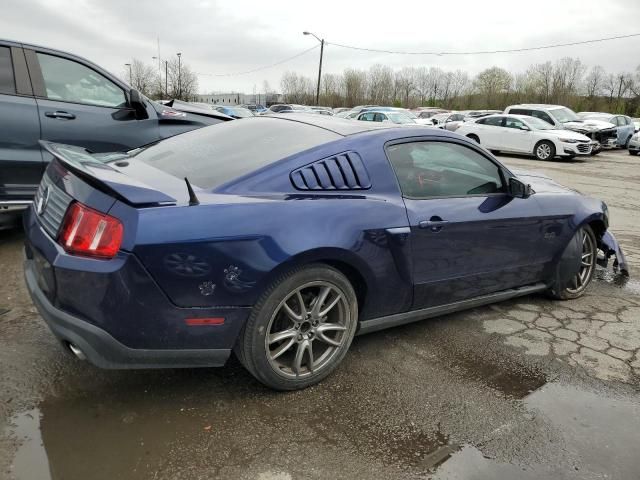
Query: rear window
point(213, 155)
point(7, 82)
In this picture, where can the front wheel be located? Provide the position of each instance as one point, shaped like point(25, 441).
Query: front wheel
point(300, 329)
point(544, 150)
point(633, 152)
point(576, 267)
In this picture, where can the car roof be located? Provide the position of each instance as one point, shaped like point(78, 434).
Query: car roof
point(338, 125)
point(538, 105)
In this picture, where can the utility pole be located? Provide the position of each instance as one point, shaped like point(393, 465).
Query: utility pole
point(321, 40)
point(130, 74)
point(179, 75)
point(166, 78)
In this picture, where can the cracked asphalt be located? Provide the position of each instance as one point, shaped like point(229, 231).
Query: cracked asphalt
point(529, 388)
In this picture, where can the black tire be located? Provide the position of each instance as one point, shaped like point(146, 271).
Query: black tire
point(255, 354)
point(633, 153)
point(572, 266)
point(544, 146)
point(474, 138)
point(593, 154)
point(569, 157)
point(626, 144)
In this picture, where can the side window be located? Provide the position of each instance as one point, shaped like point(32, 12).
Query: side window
point(367, 117)
point(493, 121)
point(7, 81)
point(519, 111)
point(70, 81)
point(441, 169)
point(542, 116)
point(511, 122)
point(379, 117)
point(626, 120)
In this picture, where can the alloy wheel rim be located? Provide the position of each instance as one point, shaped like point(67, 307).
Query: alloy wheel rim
point(544, 151)
point(308, 328)
point(587, 260)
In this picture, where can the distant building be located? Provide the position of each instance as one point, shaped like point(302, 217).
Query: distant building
point(239, 99)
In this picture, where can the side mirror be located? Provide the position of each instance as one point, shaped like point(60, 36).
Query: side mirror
point(138, 104)
point(518, 189)
point(525, 128)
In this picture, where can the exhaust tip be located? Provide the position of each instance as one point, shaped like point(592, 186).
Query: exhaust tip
point(77, 352)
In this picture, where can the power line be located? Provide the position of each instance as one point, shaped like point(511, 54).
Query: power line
point(259, 68)
point(484, 52)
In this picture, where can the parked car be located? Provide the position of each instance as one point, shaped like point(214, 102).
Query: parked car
point(602, 134)
point(624, 125)
point(322, 111)
point(48, 94)
point(403, 111)
point(235, 112)
point(449, 121)
point(345, 113)
point(471, 115)
point(288, 108)
point(388, 116)
point(257, 109)
point(338, 110)
point(528, 135)
point(636, 123)
point(634, 144)
point(191, 248)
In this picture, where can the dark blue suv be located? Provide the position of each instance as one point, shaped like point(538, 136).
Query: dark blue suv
point(46, 94)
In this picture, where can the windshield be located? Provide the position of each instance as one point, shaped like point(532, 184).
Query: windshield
point(399, 118)
point(564, 115)
point(538, 124)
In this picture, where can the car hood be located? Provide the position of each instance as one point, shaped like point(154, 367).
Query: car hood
point(567, 134)
point(182, 111)
point(588, 126)
point(541, 183)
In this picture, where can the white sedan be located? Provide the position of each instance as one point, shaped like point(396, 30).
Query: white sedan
point(524, 134)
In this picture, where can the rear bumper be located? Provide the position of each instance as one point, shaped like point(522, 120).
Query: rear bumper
point(104, 351)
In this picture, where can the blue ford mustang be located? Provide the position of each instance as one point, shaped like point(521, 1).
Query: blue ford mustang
point(280, 238)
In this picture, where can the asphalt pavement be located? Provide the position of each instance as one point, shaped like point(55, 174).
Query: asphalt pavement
point(529, 388)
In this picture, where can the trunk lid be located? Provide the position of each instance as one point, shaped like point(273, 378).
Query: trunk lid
point(121, 177)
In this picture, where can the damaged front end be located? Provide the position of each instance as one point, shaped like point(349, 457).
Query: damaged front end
point(611, 248)
point(603, 135)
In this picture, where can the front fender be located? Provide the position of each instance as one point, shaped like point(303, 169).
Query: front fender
point(610, 246)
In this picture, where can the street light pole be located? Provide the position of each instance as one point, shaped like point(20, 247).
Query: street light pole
point(179, 75)
point(130, 75)
point(159, 75)
point(166, 78)
point(321, 40)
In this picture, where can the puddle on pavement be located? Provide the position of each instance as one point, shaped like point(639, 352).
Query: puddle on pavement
point(127, 432)
point(30, 461)
point(516, 381)
point(601, 431)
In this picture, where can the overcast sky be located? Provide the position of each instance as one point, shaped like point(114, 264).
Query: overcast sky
point(217, 37)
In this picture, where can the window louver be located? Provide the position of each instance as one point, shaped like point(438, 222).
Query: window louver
point(341, 172)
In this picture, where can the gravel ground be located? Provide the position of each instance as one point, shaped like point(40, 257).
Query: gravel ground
point(530, 388)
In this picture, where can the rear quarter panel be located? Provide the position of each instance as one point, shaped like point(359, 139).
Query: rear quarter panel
point(227, 250)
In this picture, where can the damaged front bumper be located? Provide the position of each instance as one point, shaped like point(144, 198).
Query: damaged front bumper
point(610, 247)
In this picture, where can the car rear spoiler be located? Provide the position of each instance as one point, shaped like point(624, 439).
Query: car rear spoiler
point(104, 177)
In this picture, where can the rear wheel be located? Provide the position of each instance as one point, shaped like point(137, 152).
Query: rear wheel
point(544, 150)
point(573, 276)
point(633, 152)
point(473, 137)
point(300, 329)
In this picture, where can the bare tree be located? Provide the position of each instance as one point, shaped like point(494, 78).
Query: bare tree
point(491, 84)
point(182, 82)
point(380, 84)
point(142, 77)
point(355, 86)
point(406, 83)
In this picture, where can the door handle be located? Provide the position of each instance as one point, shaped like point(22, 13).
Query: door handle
point(59, 114)
point(434, 224)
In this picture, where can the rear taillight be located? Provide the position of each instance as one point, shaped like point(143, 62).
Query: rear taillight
point(90, 233)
